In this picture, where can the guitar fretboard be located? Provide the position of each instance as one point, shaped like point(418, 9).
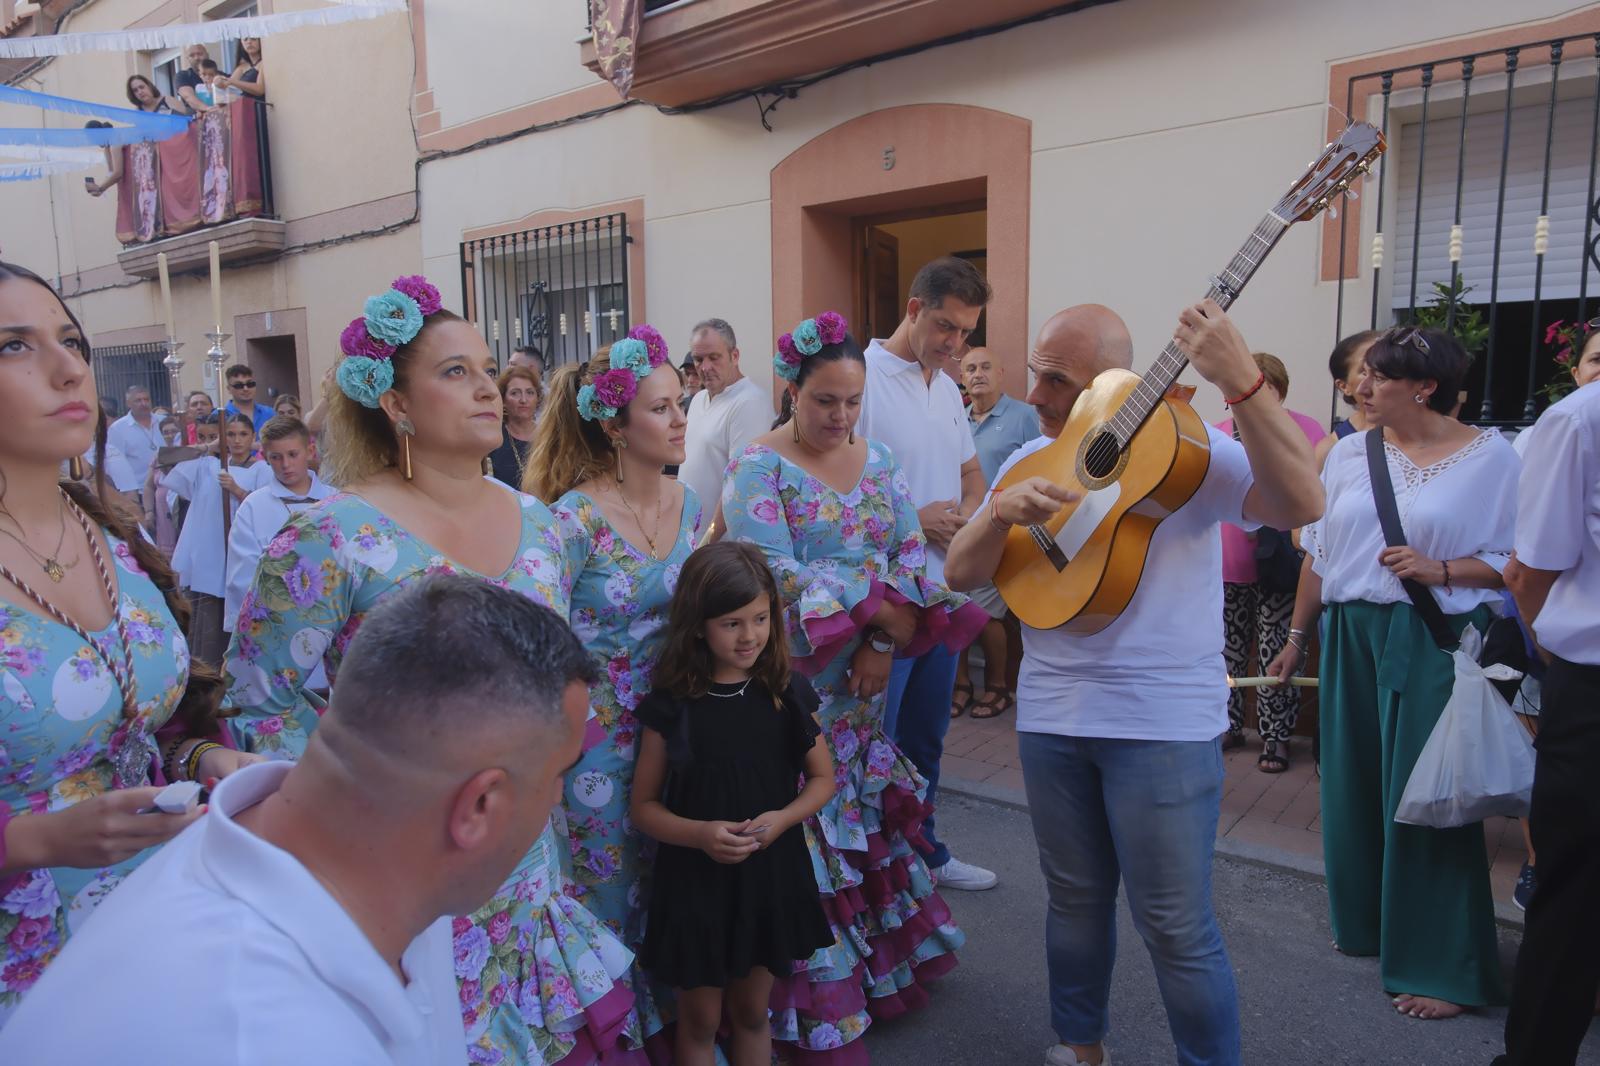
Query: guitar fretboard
point(1225, 288)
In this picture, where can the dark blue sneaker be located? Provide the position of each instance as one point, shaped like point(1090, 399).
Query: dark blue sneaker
point(1526, 883)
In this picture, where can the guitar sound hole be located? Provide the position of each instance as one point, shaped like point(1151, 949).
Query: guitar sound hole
point(1100, 458)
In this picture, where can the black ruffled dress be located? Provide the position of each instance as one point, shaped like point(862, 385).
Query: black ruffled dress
point(732, 755)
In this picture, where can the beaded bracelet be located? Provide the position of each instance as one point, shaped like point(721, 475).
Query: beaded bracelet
point(1446, 564)
point(191, 762)
point(1260, 381)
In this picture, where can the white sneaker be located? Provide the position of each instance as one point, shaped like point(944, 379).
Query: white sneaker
point(964, 876)
point(1062, 1055)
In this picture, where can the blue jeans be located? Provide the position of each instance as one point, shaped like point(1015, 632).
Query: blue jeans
point(1144, 812)
point(916, 717)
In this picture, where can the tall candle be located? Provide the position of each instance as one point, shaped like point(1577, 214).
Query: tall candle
point(166, 294)
point(216, 285)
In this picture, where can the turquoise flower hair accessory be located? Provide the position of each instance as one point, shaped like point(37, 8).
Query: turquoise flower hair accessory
point(590, 407)
point(393, 317)
point(807, 338)
point(631, 354)
point(364, 379)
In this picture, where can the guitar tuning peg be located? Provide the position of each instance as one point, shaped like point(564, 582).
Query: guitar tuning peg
point(1351, 194)
point(1333, 212)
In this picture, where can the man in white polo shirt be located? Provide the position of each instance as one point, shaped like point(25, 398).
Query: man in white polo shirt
point(137, 436)
point(1555, 577)
point(726, 414)
point(1118, 729)
point(305, 918)
point(915, 408)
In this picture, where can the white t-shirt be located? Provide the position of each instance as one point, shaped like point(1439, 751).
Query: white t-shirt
point(719, 428)
point(1156, 673)
point(222, 948)
point(199, 557)
point(1558, 523)
point(138, 446)
point(260, 516)
point(925, 426)
point(1464, 505)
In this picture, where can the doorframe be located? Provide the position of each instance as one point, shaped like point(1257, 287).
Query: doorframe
point(913, 159)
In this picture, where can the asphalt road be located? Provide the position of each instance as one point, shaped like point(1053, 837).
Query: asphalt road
point(1300, 1002)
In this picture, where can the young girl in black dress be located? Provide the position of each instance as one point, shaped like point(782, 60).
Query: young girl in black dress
point(729, 733)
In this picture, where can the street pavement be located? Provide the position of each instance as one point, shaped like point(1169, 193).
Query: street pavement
point(1300, 1002)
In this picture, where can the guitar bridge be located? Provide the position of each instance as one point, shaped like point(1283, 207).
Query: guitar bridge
point(1047, 544)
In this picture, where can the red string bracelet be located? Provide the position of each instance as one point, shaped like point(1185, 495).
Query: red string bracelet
point(1260, 381)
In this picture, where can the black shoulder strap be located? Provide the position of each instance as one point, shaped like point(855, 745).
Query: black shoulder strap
point(1389, 518)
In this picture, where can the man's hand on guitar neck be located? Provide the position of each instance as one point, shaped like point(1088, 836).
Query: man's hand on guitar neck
point(1213, 344)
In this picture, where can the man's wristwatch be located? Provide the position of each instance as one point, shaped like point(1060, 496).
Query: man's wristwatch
point(879, 641)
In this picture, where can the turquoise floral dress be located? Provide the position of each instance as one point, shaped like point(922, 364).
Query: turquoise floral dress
point(620, 600)
point(59, 706)
point(539, 976)
point(838, 556)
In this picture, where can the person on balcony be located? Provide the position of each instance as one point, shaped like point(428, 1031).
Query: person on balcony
point(247, 76)
point(190, 79)
point(137, 162)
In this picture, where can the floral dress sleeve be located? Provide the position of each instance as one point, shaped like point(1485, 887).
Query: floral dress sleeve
point(301, 603)
point(820, 595)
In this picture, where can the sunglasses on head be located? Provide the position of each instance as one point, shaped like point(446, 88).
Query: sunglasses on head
point(1412, 336)
point(248, 384)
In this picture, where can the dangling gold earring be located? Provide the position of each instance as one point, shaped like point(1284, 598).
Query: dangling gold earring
point(795, 422)
point(75, 468)
point(852, 434)
point(617, 444)
point(406, 430)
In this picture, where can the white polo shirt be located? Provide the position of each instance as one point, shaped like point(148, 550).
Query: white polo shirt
point(924, 424)
point(719, 428)
point(222, 948)
point(1156, 673)
point(138, 446)
point(1558, 522)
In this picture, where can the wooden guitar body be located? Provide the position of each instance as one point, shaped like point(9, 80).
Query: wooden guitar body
point(1079, 570)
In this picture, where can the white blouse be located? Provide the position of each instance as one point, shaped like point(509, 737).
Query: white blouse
point(1465, 505)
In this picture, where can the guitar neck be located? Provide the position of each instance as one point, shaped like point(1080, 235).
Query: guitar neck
point(1225, 289)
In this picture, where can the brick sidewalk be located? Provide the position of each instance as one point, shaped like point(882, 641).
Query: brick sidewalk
point(1276, 813)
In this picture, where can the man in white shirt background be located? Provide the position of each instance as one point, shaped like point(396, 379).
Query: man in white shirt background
point(137, 436)
point(294, 486)
point(1555, 578)
point(915, 408)
point(726, 414)
point(305, 917)
point(1118, 730)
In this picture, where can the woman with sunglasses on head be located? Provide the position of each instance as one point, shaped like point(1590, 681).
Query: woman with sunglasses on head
point(98, 700)
point(413, 417)
point(1416, 897)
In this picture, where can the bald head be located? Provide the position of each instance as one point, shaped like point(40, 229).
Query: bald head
point(1074, 347)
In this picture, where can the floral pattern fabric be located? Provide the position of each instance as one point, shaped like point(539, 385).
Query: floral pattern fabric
point(538, 975)
point(837, 557)
point(620, 601)
point(59, 707)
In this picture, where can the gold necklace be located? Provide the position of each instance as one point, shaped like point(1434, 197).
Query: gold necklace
point(648, 539)
point(53, 568)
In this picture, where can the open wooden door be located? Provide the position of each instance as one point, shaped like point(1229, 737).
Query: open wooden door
point(881, 289)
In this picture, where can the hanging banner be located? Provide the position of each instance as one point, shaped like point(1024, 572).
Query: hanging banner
point(44, 154)
point(101, 138)
point(183, 34)
point(33, 171)
point(154, 125)
point(616, 32)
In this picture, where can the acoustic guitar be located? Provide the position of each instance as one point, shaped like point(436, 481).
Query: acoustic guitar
point(1134, 448)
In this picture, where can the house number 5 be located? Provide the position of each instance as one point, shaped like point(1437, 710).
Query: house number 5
point(888, 158)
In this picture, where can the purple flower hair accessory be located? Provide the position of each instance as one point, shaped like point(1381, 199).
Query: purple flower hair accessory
point(355, 340)
point(832, 327)
point(654, 342)
point(421, 290)
point(616, 388)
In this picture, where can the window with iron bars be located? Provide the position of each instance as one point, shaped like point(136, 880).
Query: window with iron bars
point(118, 367)
point(1488, 191)
point(561, 290)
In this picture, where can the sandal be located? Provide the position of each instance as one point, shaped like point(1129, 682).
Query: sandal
point(1274, 757)
point(995, 702)
point(959, 704)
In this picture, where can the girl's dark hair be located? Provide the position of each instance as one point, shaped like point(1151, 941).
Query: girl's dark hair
point(829, 353)
point(1344, 353)
point(198, 708)
point(719, 579)
point(1406, 354)
point(241, 419)
point(134, 100)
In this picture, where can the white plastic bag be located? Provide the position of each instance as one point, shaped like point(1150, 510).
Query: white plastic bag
point(1478, 760)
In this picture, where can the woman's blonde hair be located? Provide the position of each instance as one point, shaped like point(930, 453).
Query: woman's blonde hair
point(361, 440)
point(568, 449)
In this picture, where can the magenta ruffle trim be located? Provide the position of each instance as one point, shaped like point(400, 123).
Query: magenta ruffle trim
point(954, 629)
point(598, 1040)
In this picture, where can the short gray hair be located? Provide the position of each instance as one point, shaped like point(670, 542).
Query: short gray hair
point(718, 326)
point(131, 389)
point(454, 650)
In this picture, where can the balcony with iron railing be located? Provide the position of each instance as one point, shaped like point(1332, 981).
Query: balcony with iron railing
point(212, 182)
point(691, 51)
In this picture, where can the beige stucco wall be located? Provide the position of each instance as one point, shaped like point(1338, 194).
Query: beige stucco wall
point(343, 161)
point(487, 56)
point(1162, 132)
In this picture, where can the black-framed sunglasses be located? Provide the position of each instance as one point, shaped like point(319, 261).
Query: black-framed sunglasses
point(242, 384)
point(1412, 336)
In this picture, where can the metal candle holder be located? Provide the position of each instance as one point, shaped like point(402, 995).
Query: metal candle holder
point(174, 367)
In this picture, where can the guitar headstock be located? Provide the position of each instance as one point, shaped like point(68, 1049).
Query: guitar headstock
point(1341, 163)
